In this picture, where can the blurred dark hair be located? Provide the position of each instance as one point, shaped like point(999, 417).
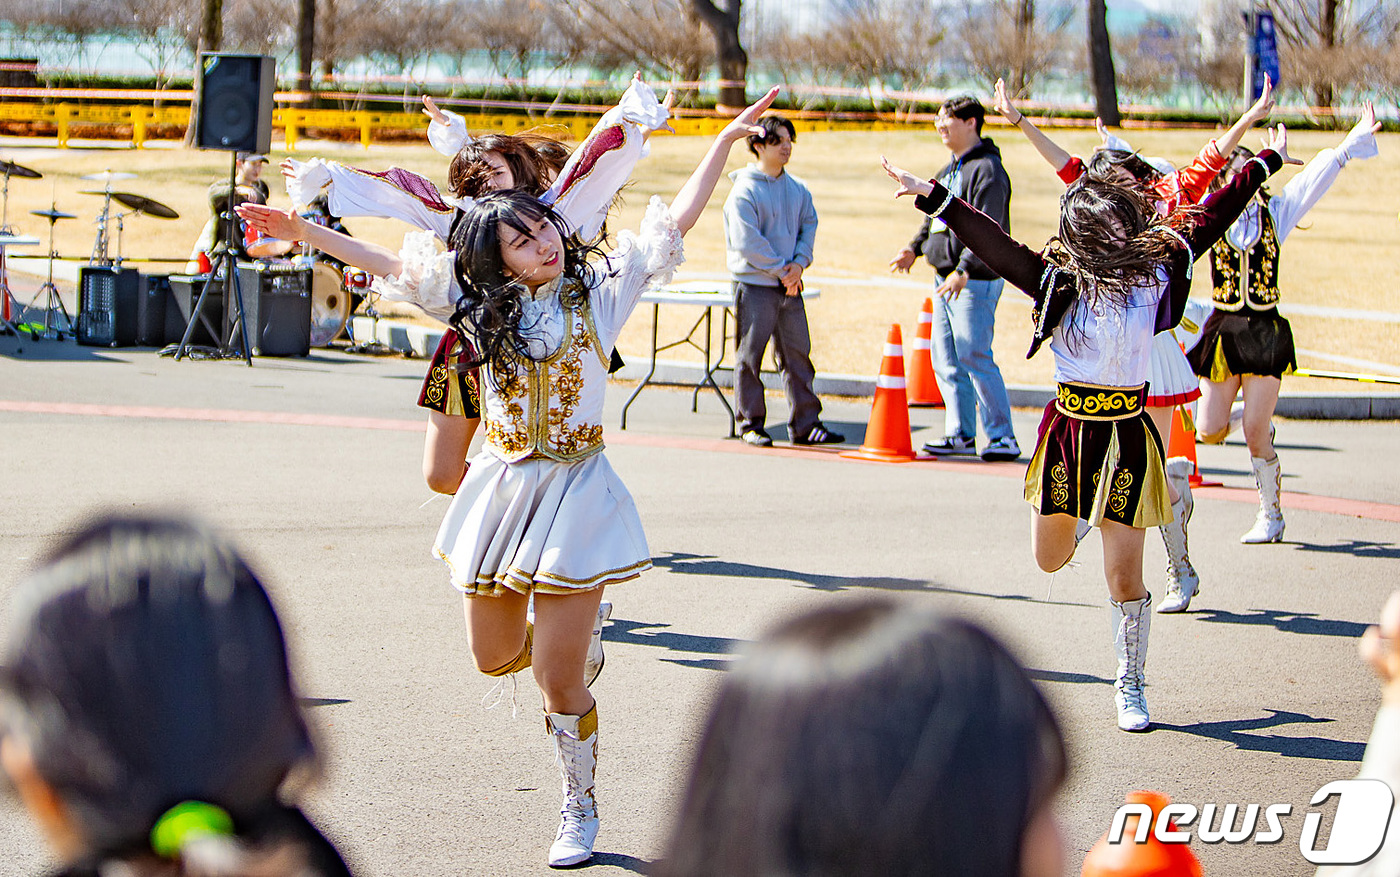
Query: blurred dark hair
point(489, 310)
point(1239, 152)
point(1104, 164)
point(146, 667)
point(869, 739)
point(771, 126)
point(532, 167)
point(1112, 239)
point(965, 107)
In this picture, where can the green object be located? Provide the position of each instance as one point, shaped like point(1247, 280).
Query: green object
point(185, 821)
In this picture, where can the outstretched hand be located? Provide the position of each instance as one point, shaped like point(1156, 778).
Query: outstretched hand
point(1265, 105)
point(743, 125)
point(908, 183)
point(430, 109)
point(1367, 123)
point(272, 222)
point(1277, 140)
point(1002, 104)
point(1378, 648)
point(289, 167)
point(1104, 133)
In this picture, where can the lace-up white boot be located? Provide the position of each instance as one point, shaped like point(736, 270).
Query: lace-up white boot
point(593, 664)
point(576, 751)
point(1182, 581)
point(1268, 524)
point(1132, 621)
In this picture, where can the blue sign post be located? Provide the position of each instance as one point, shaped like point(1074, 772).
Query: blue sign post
point(1263, 52)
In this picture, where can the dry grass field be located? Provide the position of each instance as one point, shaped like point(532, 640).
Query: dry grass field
point(1339, 258)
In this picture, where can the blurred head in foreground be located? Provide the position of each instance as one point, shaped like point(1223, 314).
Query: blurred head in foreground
point(873, 738)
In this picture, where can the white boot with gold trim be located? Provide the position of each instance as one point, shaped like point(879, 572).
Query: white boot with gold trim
point(1182, 581)
point(1132, 621)
point(1268, 524)
point(576, 750)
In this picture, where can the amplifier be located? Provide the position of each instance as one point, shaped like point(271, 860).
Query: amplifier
point(109, 304)
point(184, 295)
point(277, 308)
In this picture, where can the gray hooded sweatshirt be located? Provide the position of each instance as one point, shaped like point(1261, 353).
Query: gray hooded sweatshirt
point(768, 222)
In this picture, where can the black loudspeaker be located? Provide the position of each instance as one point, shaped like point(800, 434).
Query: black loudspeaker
point(276, 308)
point(184, 294)
point(235, 102)
point(151, 310)
point(109, 303)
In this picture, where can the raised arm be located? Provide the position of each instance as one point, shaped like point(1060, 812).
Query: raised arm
point(690, 200)
point(1006, 256)
point(290, 226)
point(1052, 152)
point(1220, 210)
point(1309, 185)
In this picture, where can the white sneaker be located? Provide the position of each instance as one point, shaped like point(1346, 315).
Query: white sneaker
point(1002, 449)
point(593, 664)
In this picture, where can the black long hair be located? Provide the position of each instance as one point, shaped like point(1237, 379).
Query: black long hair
point(534, 161)
point(489, 310)
point(146, 667)
point(1112, 239)
point(1104, 165)
point(1223, 177)
point(869, 739)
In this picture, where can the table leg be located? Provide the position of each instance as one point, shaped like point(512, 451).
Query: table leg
point(655, 320)
point(709, 379)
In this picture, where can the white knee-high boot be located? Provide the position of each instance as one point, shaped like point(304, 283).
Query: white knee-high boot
point(1268, 524)
point(1132, 621)
point(576, 750)
point(1182, 581)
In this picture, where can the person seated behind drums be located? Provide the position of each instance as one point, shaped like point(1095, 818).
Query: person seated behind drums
point(249, 186)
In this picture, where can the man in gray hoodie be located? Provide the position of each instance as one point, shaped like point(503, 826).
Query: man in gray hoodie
point(770, 226)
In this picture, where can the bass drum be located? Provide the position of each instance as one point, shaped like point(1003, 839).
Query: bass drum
point(330, 305)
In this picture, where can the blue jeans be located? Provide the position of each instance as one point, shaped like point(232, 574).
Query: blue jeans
point(962, 360)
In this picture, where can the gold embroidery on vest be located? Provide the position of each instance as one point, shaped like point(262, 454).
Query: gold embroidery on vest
point(1260, 289)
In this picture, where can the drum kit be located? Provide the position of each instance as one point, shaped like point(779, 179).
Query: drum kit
point(335, 290)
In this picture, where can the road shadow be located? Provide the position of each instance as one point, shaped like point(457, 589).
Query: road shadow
point(700, 663)
point(709, 565)
point(1067, 678)
point(636, 633)
point(1234, 732)
point(1354, 547)
point(615, 860)
point(1306, 623)
point(50, 350)
point(853, 433)
point(321, 701)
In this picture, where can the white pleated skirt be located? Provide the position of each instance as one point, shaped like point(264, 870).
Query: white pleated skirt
point(1171, 381)
point(541, 525)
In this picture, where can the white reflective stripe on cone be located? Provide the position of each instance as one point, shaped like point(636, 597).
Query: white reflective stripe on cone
point(889, 382)
point(925, 316)
point(923, 343)
point(894, 350)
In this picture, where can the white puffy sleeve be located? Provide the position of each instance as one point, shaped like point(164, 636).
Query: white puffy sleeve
point(642, 260)
point(449, 138)
point(392, 194)
point(427, 279)
point(601, 165)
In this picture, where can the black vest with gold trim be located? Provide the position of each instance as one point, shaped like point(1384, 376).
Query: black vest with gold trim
point(1259, 263)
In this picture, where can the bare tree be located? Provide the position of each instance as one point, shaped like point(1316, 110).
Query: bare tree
point(1323, 42)
point(859, 41)
point(259, 27)
point(1012, 40)
point(306, 42)
point(733, 60)
point(510, 34)
point(812, 75)
point(164, 32)
point(658, 37)
point(1219, 67)
point(1101, 63)
point(1158, 58)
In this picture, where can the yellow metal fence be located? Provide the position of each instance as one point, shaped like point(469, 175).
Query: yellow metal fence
point(294, 121)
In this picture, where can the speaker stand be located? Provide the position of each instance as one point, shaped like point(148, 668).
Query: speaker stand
point(225, 266)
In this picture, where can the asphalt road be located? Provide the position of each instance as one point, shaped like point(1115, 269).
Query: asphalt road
point(313, 465)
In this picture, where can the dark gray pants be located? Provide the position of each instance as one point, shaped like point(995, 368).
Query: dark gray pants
point(765, 312)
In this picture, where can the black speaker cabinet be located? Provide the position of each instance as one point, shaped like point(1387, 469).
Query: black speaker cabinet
point(235, 102)
point(109, 303)
point(151, 308)
point(184, 295)
point(277, 308)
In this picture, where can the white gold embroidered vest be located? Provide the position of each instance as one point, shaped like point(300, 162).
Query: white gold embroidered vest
point(554, 407)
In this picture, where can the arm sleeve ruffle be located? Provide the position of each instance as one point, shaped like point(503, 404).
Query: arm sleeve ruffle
point(427, 279)
point(449, 139)
point(643, 260)
point(308, 179)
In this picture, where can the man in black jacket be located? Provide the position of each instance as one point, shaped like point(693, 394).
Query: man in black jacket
point(964, 312)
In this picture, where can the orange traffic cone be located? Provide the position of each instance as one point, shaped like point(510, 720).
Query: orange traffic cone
point(1151, 858)
point(1182, 443)
point(887, 436)
point(923, 386)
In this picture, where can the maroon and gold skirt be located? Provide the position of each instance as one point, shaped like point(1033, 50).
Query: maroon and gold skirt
point(1098, 457)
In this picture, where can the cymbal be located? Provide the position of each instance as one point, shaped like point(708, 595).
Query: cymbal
point(139, 203)
point(52, 215)
point(19, 170)
point(108, 176)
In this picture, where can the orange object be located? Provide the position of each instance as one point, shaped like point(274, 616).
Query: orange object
point(1151, 858)
point(923, 386)
point(205, 266)
point(1182, 443)
point(887, 436)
